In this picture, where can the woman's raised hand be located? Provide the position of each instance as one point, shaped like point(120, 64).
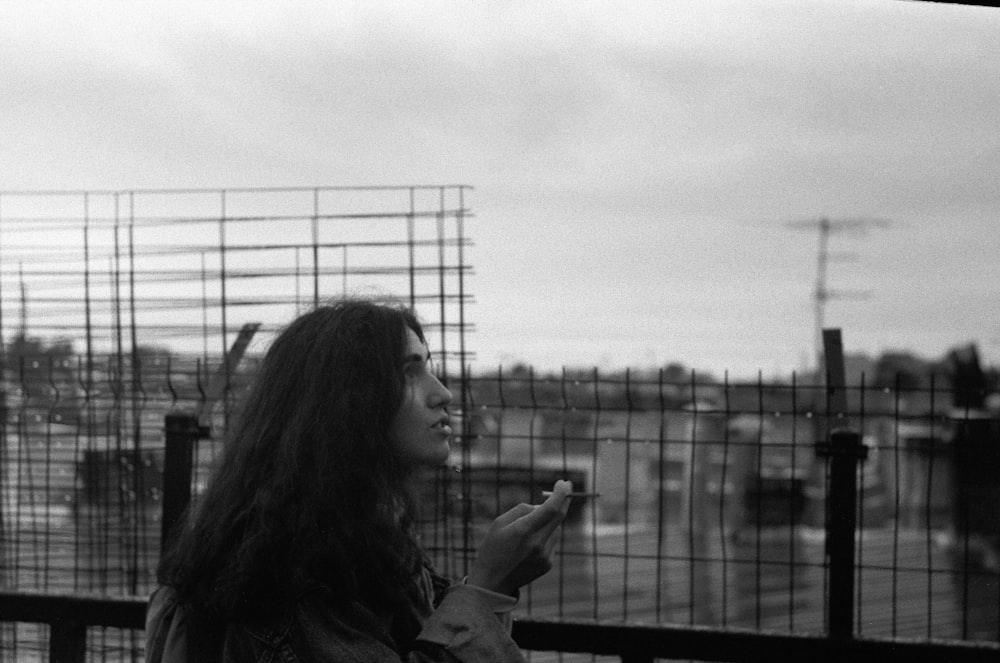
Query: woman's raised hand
point(518, 545)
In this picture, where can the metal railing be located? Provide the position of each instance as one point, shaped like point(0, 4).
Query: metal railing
point(641, 626)
point(68, 618)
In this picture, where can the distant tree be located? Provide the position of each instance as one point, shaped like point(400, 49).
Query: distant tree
point(520, 371)
point(676, 372)
point(969, 382)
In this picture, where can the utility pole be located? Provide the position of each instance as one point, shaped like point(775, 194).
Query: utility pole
point(822, 293)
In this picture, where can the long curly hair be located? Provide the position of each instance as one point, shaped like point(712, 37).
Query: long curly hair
point(309, 488)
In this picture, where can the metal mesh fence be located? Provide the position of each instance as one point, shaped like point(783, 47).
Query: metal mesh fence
point(123, 273)
point(118, 308)
point(713, 500)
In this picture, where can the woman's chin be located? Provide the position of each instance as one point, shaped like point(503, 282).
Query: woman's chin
point(433, 456)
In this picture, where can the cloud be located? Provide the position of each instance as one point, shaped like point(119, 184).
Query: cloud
point(634, 154)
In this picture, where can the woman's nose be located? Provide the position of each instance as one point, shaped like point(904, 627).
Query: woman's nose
point(442, 395)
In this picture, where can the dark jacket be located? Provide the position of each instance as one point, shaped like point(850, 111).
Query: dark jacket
point(456, 623)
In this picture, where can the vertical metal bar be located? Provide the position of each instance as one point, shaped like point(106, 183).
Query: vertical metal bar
point(137, 521)
point(841, 532)
point(78, 437)
point(54, 440)
point(660, 497)
point(89, 410)
point(204, 311)
point(223, 306)
point(501, 410)
point(822, 437)
point(88, 324)
point(464, 441)
point(181, 431)
point(628, 482)
point(565, 409)
point(315, 251)
point(465, 387)
point(442, 296)
point(24, 476)
point(410, 232)
point(723, 478)
point(67, 642)
point(689, 500)
point(836, 387)
point(465, 478)
point(897, 503)
point(860, 524)
point(116, 284)
point(47, 482)
point(501, 428)
point(460, 229)
point(116, 466)
point(845, 451)
point(759, 506)
point(962, 501)
point(532, 444)
point(793, 505)
point(839, 600)
point(445, 373)
point(932, 451)
point(595, 566)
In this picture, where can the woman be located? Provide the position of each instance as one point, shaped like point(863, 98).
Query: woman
point(303, 547)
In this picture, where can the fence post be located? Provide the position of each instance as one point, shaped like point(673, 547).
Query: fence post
point(181, 432)
point(844, 450)
point(67, 642)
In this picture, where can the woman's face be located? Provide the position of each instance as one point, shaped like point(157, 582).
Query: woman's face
point(421, 427)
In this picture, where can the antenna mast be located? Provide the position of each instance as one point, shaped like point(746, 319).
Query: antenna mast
point(822, 293)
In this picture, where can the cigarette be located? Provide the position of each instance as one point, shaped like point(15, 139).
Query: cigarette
point(547, 493)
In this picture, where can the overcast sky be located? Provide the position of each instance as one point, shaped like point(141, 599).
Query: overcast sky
point(637, 166)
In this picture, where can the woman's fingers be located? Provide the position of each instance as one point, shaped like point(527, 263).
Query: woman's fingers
point(551, 543)
point(547, 516)
point(540, 516)
point(514, 514)
point(518, 546)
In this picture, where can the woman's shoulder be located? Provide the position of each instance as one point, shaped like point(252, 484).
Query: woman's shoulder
point(177, 633)
point(324, 627)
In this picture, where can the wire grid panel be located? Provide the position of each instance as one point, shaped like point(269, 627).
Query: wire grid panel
point(712, 501)
point(29, 643)
point(118, 307)
point(186, 269)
